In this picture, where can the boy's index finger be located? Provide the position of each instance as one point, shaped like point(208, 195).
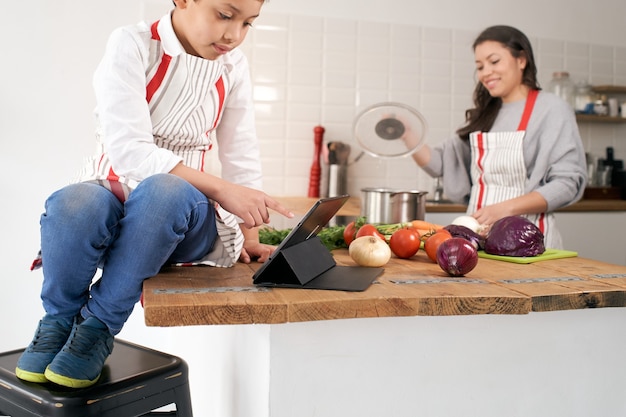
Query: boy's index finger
point(277, 207)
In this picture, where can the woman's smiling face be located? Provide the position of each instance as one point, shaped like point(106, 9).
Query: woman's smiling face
point(499, 71)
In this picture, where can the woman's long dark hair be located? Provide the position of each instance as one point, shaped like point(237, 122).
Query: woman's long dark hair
point(482, 116)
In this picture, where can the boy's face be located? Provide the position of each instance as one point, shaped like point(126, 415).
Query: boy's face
point(210, 28)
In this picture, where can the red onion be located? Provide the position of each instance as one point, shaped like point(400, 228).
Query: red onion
point(457, 256)
point(466, 233)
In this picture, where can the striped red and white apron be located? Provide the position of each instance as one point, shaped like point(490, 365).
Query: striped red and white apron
point(499, 173)
point(186, 96)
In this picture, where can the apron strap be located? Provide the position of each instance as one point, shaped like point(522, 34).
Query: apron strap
point(528, 109)
point(156, 81)
point(154, 31)
point(523, 124)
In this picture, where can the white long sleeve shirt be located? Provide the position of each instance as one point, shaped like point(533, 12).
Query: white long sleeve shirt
point(137, 138)
point(158, 106)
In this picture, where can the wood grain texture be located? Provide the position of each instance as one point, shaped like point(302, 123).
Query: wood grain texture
point(408, 287)
point(181, 296)
point(552, 285)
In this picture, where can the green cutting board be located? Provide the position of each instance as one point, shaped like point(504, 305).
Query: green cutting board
point(547, 255)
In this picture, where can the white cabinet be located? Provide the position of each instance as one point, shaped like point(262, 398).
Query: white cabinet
point(595, 235)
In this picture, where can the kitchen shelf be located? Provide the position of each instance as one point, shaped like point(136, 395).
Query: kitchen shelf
point(594, 118)
point(609, 89)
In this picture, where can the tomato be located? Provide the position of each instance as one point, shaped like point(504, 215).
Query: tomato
point(349, 233)
point(369, 230)
point(405, 242)
point(432, 243)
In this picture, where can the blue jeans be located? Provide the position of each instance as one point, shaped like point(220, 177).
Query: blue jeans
point(85, 227)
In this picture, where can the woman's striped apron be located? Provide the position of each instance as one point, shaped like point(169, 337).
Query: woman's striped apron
point(498, 172)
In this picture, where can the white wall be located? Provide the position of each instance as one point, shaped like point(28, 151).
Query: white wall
point(51, 48)
point(597, 22)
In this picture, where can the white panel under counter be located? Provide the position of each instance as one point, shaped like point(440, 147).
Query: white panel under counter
point(595, 235)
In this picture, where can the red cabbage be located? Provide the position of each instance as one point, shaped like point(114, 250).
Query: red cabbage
point(514, 236)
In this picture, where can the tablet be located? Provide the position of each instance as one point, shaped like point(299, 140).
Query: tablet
point(302, 261)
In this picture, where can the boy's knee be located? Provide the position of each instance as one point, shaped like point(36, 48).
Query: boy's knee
point(78, 198)
point(162, 185)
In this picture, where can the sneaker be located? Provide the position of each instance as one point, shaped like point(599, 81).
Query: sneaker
point(80, 362)
point(51, 335)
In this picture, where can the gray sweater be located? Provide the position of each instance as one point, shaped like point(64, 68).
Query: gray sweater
point(553, 153)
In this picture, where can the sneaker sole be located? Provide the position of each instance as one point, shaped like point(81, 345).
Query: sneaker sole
point(30, 376)
point(68, 382)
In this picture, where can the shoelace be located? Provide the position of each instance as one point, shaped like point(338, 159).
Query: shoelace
point(85, 340)
point(50, 337)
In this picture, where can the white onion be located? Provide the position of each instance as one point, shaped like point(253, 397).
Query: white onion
point(369, 251)
point(469, 222)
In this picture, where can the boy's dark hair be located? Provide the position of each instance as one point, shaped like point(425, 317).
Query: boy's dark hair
point(482, 116)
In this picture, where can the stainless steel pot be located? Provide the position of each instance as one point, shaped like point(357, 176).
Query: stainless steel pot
point(385, 205)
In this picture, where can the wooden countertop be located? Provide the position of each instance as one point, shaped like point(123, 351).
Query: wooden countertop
point(300, 205)
point(181, 296)
point(596, 205)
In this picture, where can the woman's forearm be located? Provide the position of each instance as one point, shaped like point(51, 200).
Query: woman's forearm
point(422, 156)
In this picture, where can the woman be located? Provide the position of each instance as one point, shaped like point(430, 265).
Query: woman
point(520, 151)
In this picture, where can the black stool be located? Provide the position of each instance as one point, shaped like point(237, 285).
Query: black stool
point(135, 381)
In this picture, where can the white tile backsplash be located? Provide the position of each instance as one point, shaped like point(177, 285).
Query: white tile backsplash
point(373, 61)
point(310, 24)
point(306, 76)
point(436, 35)
point(340, 79)
point(266, 54)
point(340, 42)
point(310, 71)
point(340, 26)
point(441, 51)
point(373, 80)
point(340, 96)
point(441, 69)
point(378, 30)
point(549, 47)
point(276, 74)
point(602, 53)
point(577, 49)
point(302, 112)
point(306, 94)
point(274, 38)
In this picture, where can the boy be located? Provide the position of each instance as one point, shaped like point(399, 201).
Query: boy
point(144, 199)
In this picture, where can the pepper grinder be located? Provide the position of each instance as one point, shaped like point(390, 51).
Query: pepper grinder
point(617, 166)
point(315, 174)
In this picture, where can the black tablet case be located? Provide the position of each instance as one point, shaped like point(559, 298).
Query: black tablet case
point(302, 261)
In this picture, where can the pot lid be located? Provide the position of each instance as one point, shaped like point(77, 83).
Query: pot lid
point(389, 130)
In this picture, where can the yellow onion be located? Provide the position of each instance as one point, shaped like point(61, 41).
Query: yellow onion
point(369, 251)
